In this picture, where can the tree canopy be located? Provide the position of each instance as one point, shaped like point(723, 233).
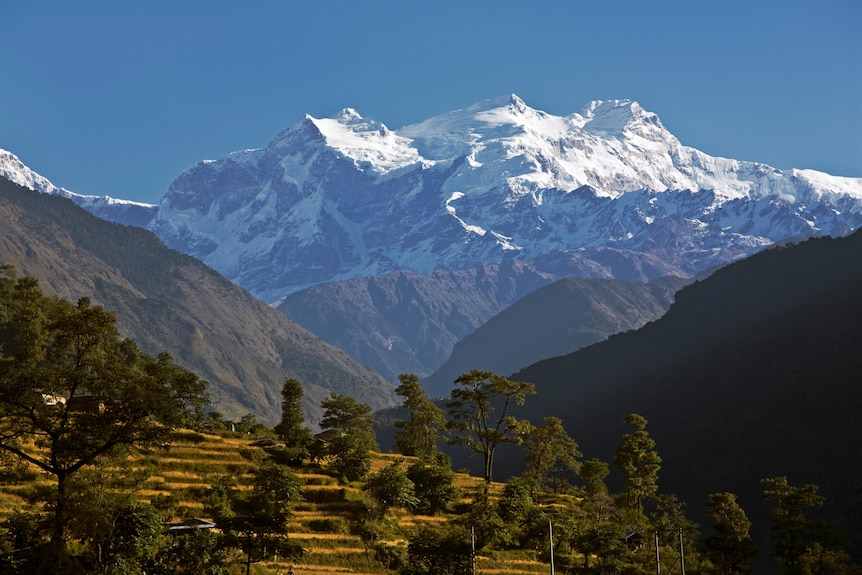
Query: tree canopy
point(472, 417)
point(73, 391)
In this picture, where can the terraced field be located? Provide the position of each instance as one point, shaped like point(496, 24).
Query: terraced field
point(323, 524)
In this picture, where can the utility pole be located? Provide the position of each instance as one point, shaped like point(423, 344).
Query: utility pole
point(657, 558)
point(681, 554)
point(473, 548)
point(551, 539)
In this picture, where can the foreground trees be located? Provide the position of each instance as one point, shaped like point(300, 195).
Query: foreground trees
point(639, 463)
point(418, 436)
point(350, 427)
point(801, 544)
point(472, 415)
point(72, 391)
point(729, 547)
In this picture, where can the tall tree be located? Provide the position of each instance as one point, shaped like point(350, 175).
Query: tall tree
point(729, 547)
point(291, 429)
point(801, 544)
point(637, 459)
point(480, 395)
point(550, 453)
point(352, 435)
point(418, 436)
point(79, 392)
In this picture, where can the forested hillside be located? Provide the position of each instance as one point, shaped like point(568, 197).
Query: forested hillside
point(754, 372)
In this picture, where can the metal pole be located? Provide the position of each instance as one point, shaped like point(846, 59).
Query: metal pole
point(551, 538)
point(657, 558)
point(473, 548)
point(681, 554)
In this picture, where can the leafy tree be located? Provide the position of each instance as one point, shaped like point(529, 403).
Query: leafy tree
point(117, 530)
point(594, 473)
point(639, 463)
point(391, 487)
point(434, 484)
point(667, 519)
point(482, 516)
point(418, 436)
point(23, 541)
point(431, 552)
point(604, 541)
point(800, 544)
point(257, 524)
point(249, 424)
point(517, 500)
point(291, 429)
point(70, 384)
point(550, 453)
point(352, 424)
point(480, 395)
point(729, 547)
point(200, 552)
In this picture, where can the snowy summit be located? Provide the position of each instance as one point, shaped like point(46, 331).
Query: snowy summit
point(607, 191)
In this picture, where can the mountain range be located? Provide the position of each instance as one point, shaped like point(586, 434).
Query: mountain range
point(394, 245)
point(606, 192)
point(495, 189)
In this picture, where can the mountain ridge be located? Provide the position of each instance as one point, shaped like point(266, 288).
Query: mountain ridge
point(168, 301)
point(752, 373)
point(330, 199)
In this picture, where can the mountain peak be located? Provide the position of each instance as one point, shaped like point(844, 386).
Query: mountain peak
point(517, 103)
point(348, 115)
point(14, 170)
point(612, 117)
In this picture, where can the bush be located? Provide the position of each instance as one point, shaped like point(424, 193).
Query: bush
point(329, 525)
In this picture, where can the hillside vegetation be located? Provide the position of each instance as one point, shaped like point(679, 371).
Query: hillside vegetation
point(329, 522)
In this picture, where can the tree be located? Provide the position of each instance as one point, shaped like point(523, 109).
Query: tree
point(667, 519)
point(431, 552)
point(418, 436)
point(639, 463)
point(390, 487)
point(550, 453)
point(800, 544)
point(257, 524)
point(352, 437)
point(594, 473)
point(291, 429)
point(729, 547)
point(69, 383)
point(480, 395)
point(434, 484)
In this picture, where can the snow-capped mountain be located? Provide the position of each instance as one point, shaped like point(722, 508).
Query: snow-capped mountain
point(105, 207)
point(335, 198)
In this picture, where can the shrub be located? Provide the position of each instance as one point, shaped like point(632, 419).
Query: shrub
point(329, 525)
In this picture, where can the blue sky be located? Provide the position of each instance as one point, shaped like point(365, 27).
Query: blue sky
point(118, 98)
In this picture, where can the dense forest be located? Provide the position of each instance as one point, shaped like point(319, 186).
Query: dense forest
point(81, 407)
